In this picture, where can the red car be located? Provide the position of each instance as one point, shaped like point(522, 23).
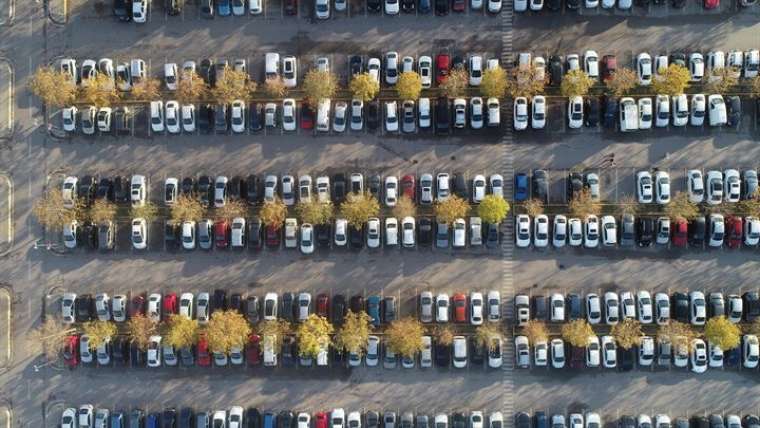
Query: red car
point(442, 66)
point(734, 232)
point(221, 234)
point(323, 305)
point(712, 4)
point(458, 5)
point(137, 305)
point(609, 66)
point(307, 116)
point(680, 233)
point(202, 355)
point(322, 420)
point(169, 303)
point(408, 187)
point(71, 351)
point(252, 350)
point(272, 236)
point(459, 301)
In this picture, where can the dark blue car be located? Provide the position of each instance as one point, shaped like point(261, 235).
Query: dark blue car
point(373, 309)
point(521, 187)
point(224, 8)
point(153, 420)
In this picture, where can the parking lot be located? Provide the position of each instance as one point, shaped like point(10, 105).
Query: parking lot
point(36, 392)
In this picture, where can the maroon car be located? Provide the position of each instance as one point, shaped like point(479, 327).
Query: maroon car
point(734, 232)
point(307, 116)
point(323, 305)
point(458, 5)
point(272, 236)
point(408, 188)
point(71, 351)
point(137, 305)
point(252, 350)
point(221, 234)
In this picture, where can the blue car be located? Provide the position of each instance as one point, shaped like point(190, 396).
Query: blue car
point(224, 8)
point(373, 309)
point(521, 187)
point(153, 420)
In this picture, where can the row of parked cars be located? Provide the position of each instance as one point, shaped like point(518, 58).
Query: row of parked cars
point(715, 231)
point(237, 417)
point(602, 351)
point(290, 307)
point(540, 419)
point(693, 308)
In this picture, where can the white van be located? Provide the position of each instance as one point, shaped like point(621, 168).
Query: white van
point(272, 69)
point(291, 233)
point(423, 109)
point(323, 115)
point(629, 115)
point(270, 354)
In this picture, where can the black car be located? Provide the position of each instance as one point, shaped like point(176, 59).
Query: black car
point(374, 6)
point(86, 189)
point(680, 307)
point(356, 64)
point(372, 419)
point(459, 185)
point(357, 303)
point(186, 356)
point(373, 115)
point(556, 70)
point(120, 350)
point(697, 230)
point(255, 228)
point(699, 422)
point(285, 419)
point(207, 9)
point(492, 235)
point(627, 421)
point(205, 70)
point(236, 302)
point(105, 189)
point(171, 236)
point(187, 187)
point(573, 4)
point(540, 180)
point(219, 300)
point(122, 10)
point(442, 116)
point(610, 112)
point(750, 421)
point(324, 233)
point(539, 420)
point(205, 186)
point(574, 306)
point(574, 184)
point(252, 418)
point(338, 309)
point(678, 58)
point(287, 306)
point(136, 355)
point(458, 420)
point(591, 112)
point(122, 121)
point(356, 238)
point(478, 352)
point(121, 189)
point(678, 4)
point(522, 420)
point(441, 7)
point(539, 307)
point(253, 189)
point(186, 418)
point(220, 118)
point(425, 7)
point(757, 113)
point(252, 309)
point(338, 188)
point(408, 6)
point(205, 116)
point(169, 418)
point(84, 307)
point(442, 355)
point(644, 231)
point(255, 113)
point(375, 184)
point(389, 309)
point(625, 359)
point(289, 351)
point(425, 232)
point(751, 303)
point(716, 421)
point(734, 104)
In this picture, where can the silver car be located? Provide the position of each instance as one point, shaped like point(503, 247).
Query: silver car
point(408, 118)
point(426, 306)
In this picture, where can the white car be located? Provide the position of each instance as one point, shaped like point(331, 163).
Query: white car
point(407, 232)
point(575, 112)
point(459, 233)
point(558, 353)
point(391, 116)
point(696, 67)
point(139, 234)
point(391, 7)
point(751, 231)
point(645, 113)
point(697, 308)
point(186, 305)
point(307, 238)
point(611, 308)
point(237, 116)
point(391, 190)
point(139, 11)
point(172, 117)
point(645, 310)
point(559, 231)
point(680, 110)
point(698, 356)
point(442, 308)
point(373, 233)
point(522, 229)
point(716, 231)
point(644, 187)
point(591, 235)
point(538, 112)
point(609, 230)
point(522, 309)
point(695, 186)
point(732, 185)
point(541, 353)
point(476, 112)
point(494, 306)
point(698, 109)
point(188, 117)
point(627, 305)
point(520, 113)
point(557, 308)
point(644, 69)
point(459, 346)
point(593, 352)
point(575, 232)
point(202, 307)
point(541, 231)
point(69, 116)
point(494, 6)
point(68, 303)
point(391, 63)
point(593, 308)
point(716, 110)
point(591, 58)
point(322, 9)
point(750, 351)
point(478, 188)
point(69, 418)
point(662, 111)
point(170, 76)
point(494, 112)
point(154, 351)
point(70, 232)
point(460, 113)
point(391, 232)
point(715, 355)
point(289, 114)
point(714, 184)
point(373, 68)
point(609, 352)
point(662, 187)
point(425, 70)
point(475, 67)
point(341, 117)
point(476, 308)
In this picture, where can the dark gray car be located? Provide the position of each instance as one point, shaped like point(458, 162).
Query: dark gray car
point(442, 235)
point(408, 121)
point(407, 420)
point(389, 309)
point(627, 231)
point(106, 231)
point(205, 239)
point(749, 183)
point(202, 420)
